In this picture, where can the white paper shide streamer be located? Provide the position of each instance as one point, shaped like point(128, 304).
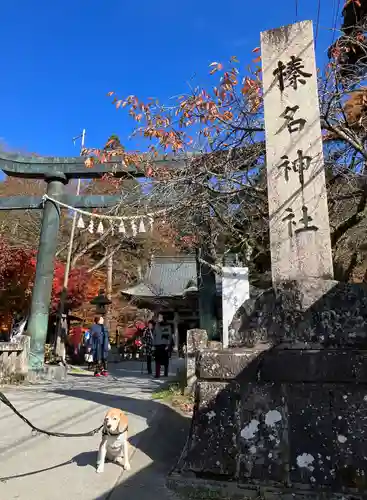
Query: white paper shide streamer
point(133, 227)
point(137, 225)
point(80, 224)
point(142, 227)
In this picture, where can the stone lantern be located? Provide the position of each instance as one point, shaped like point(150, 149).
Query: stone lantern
point(101, 301)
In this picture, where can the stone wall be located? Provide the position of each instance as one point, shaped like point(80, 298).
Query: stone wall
point(14, 359)
point(286, 417)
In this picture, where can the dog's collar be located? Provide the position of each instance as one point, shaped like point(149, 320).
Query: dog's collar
point(105, 432)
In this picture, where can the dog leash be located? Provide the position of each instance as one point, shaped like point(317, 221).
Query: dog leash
point(6, 402)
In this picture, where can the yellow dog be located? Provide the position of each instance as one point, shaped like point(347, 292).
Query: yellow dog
point(114, 444)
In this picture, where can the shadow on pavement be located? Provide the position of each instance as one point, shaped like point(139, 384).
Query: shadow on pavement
point(145, 408)
point(103, 392)
point(34, 472)
point(156, 450)
point(82, 460)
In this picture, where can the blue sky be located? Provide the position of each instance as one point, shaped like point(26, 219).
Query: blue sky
point(60, 58)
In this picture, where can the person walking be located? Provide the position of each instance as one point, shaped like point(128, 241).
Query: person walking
point(100, 346)
point(148, 341)
point(162, 343)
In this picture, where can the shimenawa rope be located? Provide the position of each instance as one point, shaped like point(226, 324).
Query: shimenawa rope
point(149, 215)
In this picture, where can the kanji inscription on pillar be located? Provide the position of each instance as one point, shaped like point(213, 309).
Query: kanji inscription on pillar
point(298, 212)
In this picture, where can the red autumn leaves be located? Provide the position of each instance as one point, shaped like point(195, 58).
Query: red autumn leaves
point(17, 271)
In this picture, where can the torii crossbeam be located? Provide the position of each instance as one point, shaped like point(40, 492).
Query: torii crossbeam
point(56, 172)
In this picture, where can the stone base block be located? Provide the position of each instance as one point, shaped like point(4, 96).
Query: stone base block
point(227, 364)
point(14, 360)
point(282, 414)
point(276, 420)
point(283, 364)
point(196, 341)
point(196, 489)
point(313, 311)
point(47, 373)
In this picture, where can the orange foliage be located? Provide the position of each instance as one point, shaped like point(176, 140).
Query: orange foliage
point(17, 271)
point(355, 109)
point(203, 120)
point(209, 111)
point(95, 283)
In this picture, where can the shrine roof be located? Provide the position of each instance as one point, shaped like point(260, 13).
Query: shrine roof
point(169, 277)
point(139, 290)
point(165, 277)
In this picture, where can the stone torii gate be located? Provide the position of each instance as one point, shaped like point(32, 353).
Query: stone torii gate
point(57, 172)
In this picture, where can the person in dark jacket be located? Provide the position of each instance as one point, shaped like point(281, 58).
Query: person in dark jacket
point(100, 346)
point(148, 340)
point(162, 343)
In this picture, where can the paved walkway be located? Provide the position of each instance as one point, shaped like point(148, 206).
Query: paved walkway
point(43, 468)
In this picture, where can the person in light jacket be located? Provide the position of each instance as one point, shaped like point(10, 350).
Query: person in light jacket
point(162, 342)
point(99, 342)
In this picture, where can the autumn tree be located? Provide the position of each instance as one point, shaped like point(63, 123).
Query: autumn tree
point(21, 226)
point(218, 193)
point(17, 272)
point(218, 199)
point(16, 276)
point(348, 51)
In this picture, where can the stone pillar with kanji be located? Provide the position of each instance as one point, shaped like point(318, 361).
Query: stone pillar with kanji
point(298, 212)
